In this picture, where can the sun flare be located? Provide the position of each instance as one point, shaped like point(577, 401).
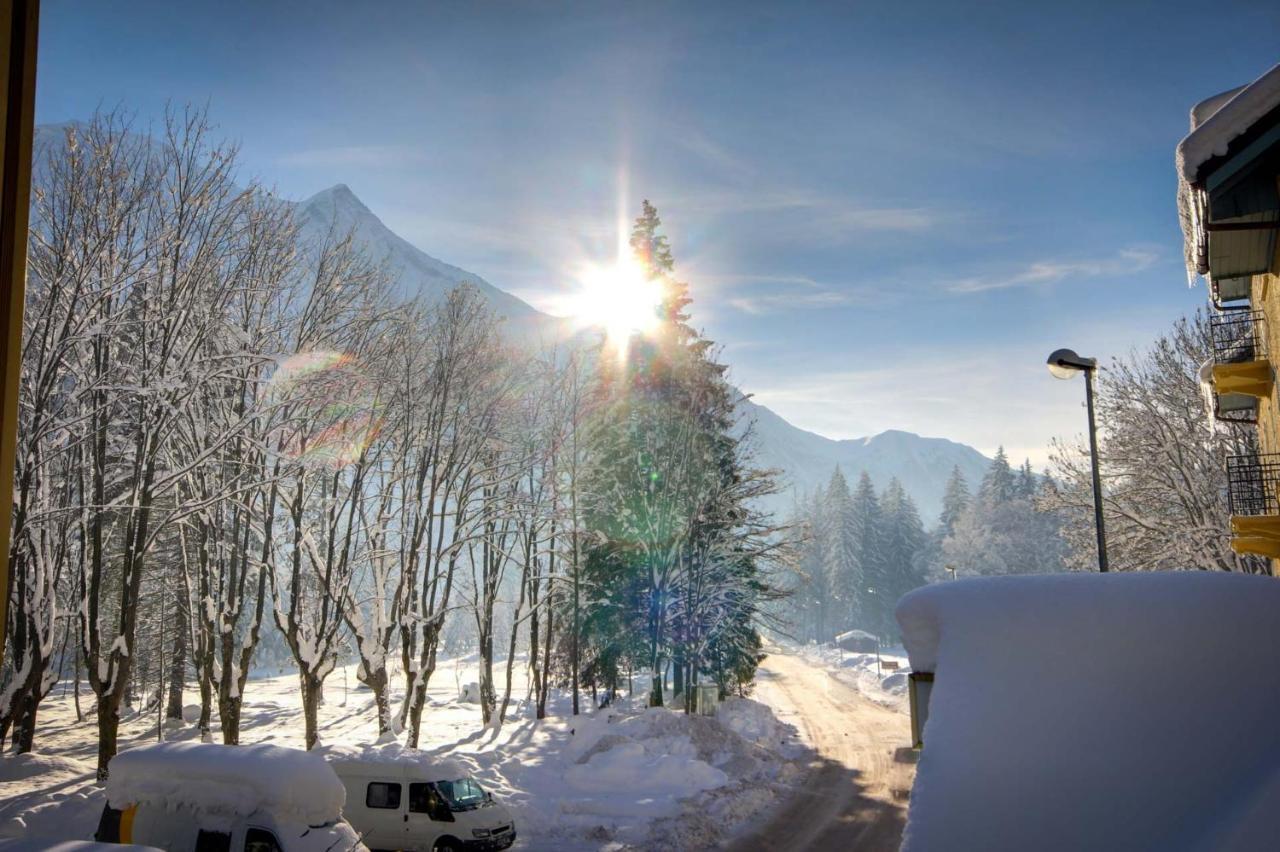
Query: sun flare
point(619, 298)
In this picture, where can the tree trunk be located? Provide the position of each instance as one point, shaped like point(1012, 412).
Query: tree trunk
point(75, 692)
point(108, 728)
point(24, 729)
point(177, 669)
point(311, 689)
point(378, 681)
point(419, 698)
point(577, 624)
point(546, 661)
point(206, 709)
point(229, 716)
point(487, 692)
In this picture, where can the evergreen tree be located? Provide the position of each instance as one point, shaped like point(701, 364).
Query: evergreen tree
point(1026, 481)
point(840, 556)
point(673, 539)
point(954, 501)
point(810, 604)
point(1000, 484)
point(905, 553)
point(865, 523)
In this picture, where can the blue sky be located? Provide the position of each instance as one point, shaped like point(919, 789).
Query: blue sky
point(888, 213)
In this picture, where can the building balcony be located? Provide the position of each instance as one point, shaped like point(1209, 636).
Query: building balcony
point(1238, 337)
point(1253, 497)
point(1241, 372)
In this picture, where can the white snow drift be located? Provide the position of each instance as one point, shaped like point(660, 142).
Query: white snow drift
point(1120, 711)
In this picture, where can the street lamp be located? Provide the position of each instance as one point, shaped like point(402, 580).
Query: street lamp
point(1064, 364)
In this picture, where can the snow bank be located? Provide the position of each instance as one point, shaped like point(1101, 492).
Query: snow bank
point(1097, 711)
point(18, 767)
point(750, 720)
point(630, 766)
point(430, 765)
point(227, 781)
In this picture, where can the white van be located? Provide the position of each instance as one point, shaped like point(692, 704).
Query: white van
point(203, 797)
point(421, 805)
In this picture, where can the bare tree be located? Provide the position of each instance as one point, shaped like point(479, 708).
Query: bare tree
point(1163, 464)
point(332, 408)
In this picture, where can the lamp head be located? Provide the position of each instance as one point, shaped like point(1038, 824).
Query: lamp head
point(1064, 363)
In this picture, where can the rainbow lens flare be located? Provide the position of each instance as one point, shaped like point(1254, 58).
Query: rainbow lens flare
point(331, 406)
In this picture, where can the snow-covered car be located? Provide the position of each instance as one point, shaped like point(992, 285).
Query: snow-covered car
point(213, 798)
point(421, 805)
point(29, 844)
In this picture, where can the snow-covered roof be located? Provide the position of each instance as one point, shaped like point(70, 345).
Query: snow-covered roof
point(1215, 123)
point(1218, 120)
point(227, 781)
point(856, 634)
point(1097, 711)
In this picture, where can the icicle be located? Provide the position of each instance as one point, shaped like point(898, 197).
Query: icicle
point(1207, 393)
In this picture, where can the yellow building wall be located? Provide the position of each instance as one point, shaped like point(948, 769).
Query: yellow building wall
point(1266, 298)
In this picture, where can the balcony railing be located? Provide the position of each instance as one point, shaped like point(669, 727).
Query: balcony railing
point(1238, 336)
point(1253, 484)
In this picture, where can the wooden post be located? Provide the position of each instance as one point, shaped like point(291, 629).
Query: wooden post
point(919, 690)
point(18, 26)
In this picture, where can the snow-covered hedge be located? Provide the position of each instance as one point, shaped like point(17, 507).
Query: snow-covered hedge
point(1120, 711)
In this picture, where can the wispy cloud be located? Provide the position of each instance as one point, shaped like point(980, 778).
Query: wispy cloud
point(1125, 262)
point(358, 156)
point(791, 293)
point(825, 216)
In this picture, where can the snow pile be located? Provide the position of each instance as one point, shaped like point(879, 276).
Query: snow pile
point(1097, 711)
point(17, 767)
point(432, 767)
point(630, 766)
point(750, 720)
point(227, 781)
point(647, 753)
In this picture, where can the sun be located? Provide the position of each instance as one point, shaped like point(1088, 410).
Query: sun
point(621, 298)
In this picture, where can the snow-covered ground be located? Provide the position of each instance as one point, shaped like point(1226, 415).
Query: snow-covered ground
point(614, 779)
point(884, 681)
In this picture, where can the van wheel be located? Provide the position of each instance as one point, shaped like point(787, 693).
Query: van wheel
point(447, 844)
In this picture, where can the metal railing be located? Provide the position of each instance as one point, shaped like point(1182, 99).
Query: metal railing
point(1253, 484)
point(1238, 336)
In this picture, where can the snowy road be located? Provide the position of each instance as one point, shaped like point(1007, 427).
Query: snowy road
point(855, 796)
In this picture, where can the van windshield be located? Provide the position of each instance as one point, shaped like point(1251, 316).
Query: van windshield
point(462, 794)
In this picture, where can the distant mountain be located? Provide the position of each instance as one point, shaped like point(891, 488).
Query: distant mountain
point(807, 459)
point(419, 273)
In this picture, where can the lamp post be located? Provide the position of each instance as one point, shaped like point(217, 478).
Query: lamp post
point(1064, 364)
